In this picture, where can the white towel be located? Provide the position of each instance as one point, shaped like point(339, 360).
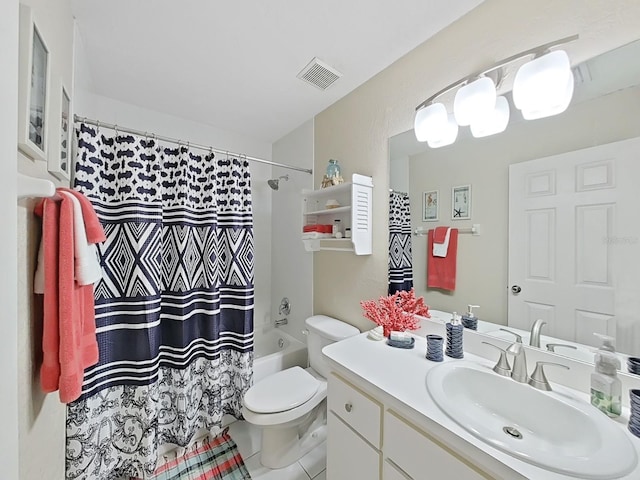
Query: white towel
point(440, 249)
point(38, 279)
point(87, 268)
point(87, 265)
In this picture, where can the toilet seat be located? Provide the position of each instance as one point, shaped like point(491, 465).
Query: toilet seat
point(282, 419)
point(281, 391)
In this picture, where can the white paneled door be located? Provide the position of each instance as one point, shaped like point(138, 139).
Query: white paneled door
point(574, 248)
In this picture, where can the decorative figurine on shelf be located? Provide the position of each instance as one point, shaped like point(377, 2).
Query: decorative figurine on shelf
point(332, 176)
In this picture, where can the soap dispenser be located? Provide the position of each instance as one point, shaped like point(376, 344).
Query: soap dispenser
point(469, 320)
point(454, 337)
point(606, 388)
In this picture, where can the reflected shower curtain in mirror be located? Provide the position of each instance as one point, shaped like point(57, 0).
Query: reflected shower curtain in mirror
point(174, 309)
point(400, 262)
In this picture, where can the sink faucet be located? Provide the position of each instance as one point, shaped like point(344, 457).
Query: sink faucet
point(519, 369)
point(534, 339)
point(552, 346)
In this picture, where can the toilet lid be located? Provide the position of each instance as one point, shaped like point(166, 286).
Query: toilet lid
point(281, 391)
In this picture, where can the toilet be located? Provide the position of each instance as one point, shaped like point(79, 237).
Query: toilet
point(290, 406)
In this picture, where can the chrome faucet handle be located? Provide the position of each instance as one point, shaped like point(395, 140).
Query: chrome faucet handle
point(519, 371)
point(552, 346)
point(285, 307)
point(518, 337)
point(502, 367)
point(539, 379)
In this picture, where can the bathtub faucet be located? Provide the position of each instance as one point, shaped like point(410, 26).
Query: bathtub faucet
point(282, 321)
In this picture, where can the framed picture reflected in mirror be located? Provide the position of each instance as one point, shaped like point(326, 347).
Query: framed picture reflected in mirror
point(430, 206)
point(461, 202)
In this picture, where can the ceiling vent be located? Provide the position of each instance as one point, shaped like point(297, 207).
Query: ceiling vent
point(319, 74)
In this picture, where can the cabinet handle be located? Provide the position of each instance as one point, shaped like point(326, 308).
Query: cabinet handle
point(348, 407)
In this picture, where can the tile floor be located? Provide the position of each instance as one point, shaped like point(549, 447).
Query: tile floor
point(310, 467)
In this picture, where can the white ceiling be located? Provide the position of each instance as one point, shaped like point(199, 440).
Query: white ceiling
point(233, 64)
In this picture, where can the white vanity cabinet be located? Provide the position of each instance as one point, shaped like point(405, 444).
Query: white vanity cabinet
point(353, 210)
point(390, 471)
point(411, 453)
point(354, 422)
point(370, 441)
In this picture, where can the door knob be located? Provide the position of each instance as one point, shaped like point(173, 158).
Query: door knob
point(516, 289)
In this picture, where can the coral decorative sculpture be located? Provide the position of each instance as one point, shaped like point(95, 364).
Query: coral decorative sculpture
point(396, 312)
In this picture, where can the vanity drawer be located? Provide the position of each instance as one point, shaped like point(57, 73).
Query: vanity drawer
point(348, 455)
point(416, 453)
point(356, 408)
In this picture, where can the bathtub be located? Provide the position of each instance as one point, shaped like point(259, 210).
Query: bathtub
point(276, 350)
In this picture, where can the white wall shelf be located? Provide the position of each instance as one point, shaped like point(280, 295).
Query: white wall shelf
point(354, 212)
point(331, 211)
point(34, 187)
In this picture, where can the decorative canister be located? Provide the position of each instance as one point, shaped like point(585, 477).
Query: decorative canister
point(333, 175)
point(333, 169)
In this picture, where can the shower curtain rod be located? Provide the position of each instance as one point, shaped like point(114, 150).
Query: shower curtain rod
point(118, 128)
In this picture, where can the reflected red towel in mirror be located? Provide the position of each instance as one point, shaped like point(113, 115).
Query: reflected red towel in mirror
point(441, 271)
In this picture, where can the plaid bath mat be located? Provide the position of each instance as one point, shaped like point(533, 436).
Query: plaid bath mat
point(217, 460)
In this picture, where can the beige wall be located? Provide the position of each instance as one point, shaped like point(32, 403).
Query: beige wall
point(41, 418)
point(482, 269)
point(356, 129)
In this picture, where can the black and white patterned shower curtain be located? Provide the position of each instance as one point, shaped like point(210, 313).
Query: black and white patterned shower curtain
point(174, 310)
point(400, 260)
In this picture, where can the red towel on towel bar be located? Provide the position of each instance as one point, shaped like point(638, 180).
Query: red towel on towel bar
point(441, 271)
point(69, 329)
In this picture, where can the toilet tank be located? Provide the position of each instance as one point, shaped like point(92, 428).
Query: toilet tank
point(324, 331)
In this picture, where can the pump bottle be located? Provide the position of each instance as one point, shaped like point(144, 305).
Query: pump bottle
point(469, 320)
point(454, 337)
point(606, 388)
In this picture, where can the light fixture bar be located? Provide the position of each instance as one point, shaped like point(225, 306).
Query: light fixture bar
point(501, 63)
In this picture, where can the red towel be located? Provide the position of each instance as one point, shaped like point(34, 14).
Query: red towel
point(94, 230)
point(69, 330)
point(441, 271)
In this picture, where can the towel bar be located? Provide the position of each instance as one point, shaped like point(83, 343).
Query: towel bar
point(474, 230)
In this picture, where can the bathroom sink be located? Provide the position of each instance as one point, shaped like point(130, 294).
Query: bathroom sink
point(549, 429)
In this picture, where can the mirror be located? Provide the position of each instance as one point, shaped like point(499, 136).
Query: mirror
point(604, 110)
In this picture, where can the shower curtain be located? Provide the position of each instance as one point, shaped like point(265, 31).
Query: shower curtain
point(400, 261)
point(174, 309)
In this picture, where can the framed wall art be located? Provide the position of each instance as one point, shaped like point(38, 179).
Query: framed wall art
point(430, 206)
point(33, 100)
point(59, 163)
point(461, 202)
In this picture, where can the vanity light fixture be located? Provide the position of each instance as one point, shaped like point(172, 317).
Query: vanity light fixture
point(435, 126)
point(474, 101)
point(542, 87)
point(495, 122)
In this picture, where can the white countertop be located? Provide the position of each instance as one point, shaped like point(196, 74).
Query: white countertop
point(401, 374)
